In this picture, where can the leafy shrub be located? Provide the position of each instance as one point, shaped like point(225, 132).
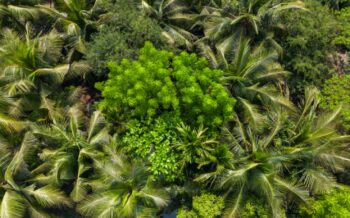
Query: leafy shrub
point(307, 41)
point(208, 205)
point(343, 17)
point(152, 140)
point(335, 93)
point(201, 93)
point(142, 87)
point(205, 205)
point(172, 148)
point(183, 213)
point(255, 208)
point(122, 32)
point(334, 204)
point(159, 81)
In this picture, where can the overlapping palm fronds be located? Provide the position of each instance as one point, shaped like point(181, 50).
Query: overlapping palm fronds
point(175, 18)
point(290, 157)
point(33, 67)
point(19, 197)
point(73, 144)
point(122, 188)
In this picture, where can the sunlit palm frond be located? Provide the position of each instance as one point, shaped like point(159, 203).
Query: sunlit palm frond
point(235, 204)
point(48, 197)
point(12, 205)
point(252, 114)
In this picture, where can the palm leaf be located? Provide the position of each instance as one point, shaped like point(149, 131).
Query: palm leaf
point(159, 198)
point(12, 205)
point(57, 73)
point(233, 211)
point(48, 197)
point(251, 112)
point(327, 119)
point(96, 123)
point(297, 192)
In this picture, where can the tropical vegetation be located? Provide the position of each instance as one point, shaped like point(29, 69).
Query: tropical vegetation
point(163, 108)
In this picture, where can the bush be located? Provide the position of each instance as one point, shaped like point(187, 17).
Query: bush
point(205, 205)
point(335, 204)
point(159, 82)
point(152, 141)
point(336, 93)
point(307, 41)
point(343, 37)
point(123, 31)
point(183, 213)
point(255, 208)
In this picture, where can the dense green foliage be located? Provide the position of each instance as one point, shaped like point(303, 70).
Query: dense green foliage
point(332, 99)
point(307, 41)
point(123, 32)
point(334, 204)
point(202, 108)
point(159, 81)
point(255, 208)
point(343, 38)
point(266, 160)
point(205, 205)
point(153, 140)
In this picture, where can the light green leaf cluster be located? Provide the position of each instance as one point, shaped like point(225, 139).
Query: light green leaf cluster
point(334, 204)
point(205, 205)
point(159, 81)
point(200, 90)
point(141, 87)
point(335, 93)
point(343, 17)
point(152, 140)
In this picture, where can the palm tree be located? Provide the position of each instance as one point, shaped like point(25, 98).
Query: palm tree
point(76, 18)
point(175, 18)
point(72, 146)
point(223, 23)
point(18, 196)
point(16, 16)
point(198, 148)
point(122, 189)
point(32, 67)
point(75, 11)
point(288, 159)
point(255, 78)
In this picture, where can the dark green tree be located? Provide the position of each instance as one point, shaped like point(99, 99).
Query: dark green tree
point(122, 31)
point(307, 43)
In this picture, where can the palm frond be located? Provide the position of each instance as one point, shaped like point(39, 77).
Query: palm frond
point(251, 112)
point(96, 123)
point(158, 197)
point(207, 52)
point(327, 119)
point(12, 205)
point(10, 124)
point(317, 180)
point(80, 190)
point(270, 95)
point(98, 205)
point(296, 191)
point(57, 73)
point(277, 121)
point(48, 197)
point(233, 210)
